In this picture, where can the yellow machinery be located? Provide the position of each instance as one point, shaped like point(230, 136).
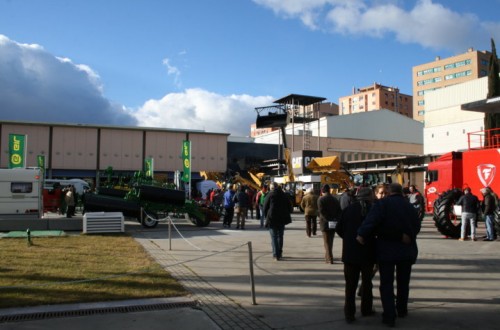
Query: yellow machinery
point(214, 176)
point(330, 173)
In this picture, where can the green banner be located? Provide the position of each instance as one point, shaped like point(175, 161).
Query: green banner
point(186, 161)
point(17, 145)
point(149, 167)
point(40, 160)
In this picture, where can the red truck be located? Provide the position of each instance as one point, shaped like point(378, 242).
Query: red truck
point(448, 175)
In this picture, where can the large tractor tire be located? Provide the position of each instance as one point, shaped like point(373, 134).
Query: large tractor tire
point(149, 220)
point(198, 221)
point(443, 213)
point(496, 222)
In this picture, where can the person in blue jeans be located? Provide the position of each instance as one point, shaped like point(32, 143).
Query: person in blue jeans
point(262, 197)
point(277, 209)
point(228, 206)
point(488, 206)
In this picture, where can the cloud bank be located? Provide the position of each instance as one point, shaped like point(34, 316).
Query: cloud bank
point(37, 86)
point(428, 23)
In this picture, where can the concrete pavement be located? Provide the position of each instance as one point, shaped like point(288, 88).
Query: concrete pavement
point(454, 284)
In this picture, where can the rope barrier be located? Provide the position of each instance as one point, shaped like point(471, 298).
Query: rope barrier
point(169, 220)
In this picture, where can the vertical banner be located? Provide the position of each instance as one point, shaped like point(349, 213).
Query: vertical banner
point(149, 167)
point(17, 152)
point(40, 160)
point(186, 161)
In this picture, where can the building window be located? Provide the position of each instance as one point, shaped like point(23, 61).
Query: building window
point(457, 64)
point(428, 71)
point(458, 75)
point(428, 81)
point(421, 112)
point(483, 73)
point(421, 102)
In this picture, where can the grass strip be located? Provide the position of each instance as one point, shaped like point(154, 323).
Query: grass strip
point(80, 268)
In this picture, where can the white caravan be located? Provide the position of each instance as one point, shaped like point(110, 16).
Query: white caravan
point(21, 191)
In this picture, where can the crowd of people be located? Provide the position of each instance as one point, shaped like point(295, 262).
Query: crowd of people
point(378, 227)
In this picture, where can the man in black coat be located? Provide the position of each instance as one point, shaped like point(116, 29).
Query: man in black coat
point(395, 223)
point(329, 213)
point(277, 209)
point(357, 258)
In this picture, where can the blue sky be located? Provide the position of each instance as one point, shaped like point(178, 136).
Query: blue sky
point(207, 64)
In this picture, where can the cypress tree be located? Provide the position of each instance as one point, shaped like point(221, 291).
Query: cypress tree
point(492, 120)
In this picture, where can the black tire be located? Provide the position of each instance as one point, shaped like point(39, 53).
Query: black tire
point(149, 220)
point(443, 213)
point(496, 222)
point(199, 222)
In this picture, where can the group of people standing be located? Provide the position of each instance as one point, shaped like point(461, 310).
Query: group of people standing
point(471, 208)
point(379, 229)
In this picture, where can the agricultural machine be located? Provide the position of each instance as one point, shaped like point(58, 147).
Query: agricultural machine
point(146, 201)
point(454, 171)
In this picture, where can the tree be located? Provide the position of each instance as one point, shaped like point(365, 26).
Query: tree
point(492, 120)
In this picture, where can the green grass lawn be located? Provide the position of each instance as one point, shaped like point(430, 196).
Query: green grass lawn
point(80, 268)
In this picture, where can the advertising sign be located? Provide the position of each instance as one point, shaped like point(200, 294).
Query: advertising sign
point(302, 158)
point(17, 152)
point(40, 160)
point(149, 167)
point(186, 161)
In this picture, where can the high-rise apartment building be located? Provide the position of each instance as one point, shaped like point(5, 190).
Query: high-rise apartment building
point(445, 72)
point(376, 97)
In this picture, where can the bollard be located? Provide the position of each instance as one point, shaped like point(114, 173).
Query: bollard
point(252, 282)
point(169, 234)
point(28, 236)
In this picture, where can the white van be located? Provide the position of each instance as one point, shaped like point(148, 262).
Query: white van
point(79, 184)
point(21, 191)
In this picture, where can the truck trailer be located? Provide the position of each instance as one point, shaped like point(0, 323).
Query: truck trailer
point(21, 192)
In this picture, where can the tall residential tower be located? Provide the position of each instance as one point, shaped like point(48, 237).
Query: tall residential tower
point(446, 72)
point(376, 97)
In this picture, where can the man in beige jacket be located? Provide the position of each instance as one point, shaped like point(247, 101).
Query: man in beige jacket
point(310, 206)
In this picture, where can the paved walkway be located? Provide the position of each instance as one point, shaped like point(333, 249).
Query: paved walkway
point(454, 284)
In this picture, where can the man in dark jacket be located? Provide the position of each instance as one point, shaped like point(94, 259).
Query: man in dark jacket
point(488, 206)
point(277, 209)
point(357, 258)
point(395, 223)
point(241, 204)
point(329, 214)
point(470, 206)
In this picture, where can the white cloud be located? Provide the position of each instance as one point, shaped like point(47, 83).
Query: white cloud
point(172, 71)
point(40, 87)
point(428, 23)
point(37, 86)
point(199, 109)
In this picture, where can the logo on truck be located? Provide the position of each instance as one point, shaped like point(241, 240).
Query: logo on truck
point(486, 173)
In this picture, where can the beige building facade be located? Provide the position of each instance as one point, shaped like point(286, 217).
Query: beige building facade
point(441, 73)
point(84, 150)
point(447, 126)
point(376, 97)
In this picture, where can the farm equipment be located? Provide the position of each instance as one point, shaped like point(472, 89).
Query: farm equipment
point(453, 171)
point(145, 202)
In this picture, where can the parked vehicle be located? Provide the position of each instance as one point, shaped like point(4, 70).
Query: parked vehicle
point(21, 192)
point(146, 201)
point(453, 171)
point(80, 185)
